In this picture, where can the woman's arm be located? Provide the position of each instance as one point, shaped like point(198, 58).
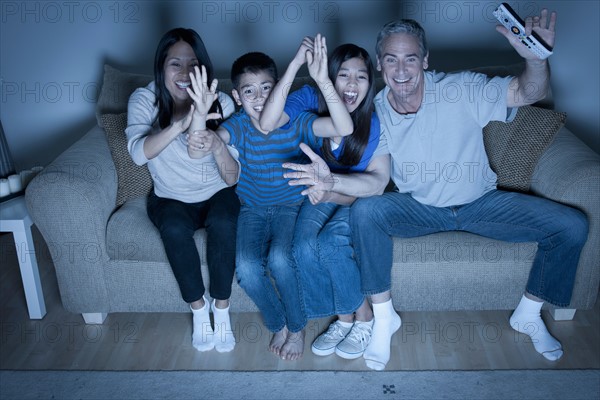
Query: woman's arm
point(208, 141)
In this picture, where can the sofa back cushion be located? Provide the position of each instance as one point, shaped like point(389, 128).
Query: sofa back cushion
point(515, 147)
point(132, 180)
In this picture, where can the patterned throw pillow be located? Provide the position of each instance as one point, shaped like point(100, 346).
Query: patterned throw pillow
point(515, 147)
point(133, 180)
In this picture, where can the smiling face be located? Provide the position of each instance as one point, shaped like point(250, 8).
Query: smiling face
point(352, 82)
point(252, 93)
point(402, 66)
point(180, 61)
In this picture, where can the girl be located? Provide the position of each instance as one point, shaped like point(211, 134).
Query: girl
point(328, 272)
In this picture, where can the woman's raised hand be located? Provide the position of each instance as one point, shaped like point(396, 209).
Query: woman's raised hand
point(202, 95)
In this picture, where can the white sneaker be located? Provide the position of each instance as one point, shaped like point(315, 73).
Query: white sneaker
point(355, 343)
point(327, 341)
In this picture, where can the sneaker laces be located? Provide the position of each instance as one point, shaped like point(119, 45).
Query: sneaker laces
point(360, 333)
point(335, 330)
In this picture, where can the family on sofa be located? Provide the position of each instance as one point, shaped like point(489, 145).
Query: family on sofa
point(308, 230)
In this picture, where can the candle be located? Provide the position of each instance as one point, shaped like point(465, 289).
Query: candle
point(26, 177)
point(14, 183)
point(4, 188)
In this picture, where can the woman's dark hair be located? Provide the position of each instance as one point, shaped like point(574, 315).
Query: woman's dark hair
point(164, 101)
point(355, 144)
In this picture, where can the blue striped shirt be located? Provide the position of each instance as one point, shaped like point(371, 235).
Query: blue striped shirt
point(261, 180)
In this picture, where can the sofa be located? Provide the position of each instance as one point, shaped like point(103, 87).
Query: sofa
point(90, 206)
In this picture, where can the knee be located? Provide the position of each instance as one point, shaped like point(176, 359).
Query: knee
point(576, 227)
point(246, 274)
point(176, 232)
point(362, 210)
point(304, 249)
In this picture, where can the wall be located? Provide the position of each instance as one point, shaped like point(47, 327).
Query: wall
point(52, 52)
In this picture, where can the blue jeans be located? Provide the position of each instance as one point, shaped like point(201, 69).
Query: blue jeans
point(560, 232)
point(264, 259)
point(329, 276)
point(177, 222)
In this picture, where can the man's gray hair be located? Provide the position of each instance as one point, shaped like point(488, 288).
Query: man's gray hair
point(408, 26)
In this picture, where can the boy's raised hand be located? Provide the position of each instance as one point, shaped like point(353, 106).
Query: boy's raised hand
point(305, 48)
point(317, 60)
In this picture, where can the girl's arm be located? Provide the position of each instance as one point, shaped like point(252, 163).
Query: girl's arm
point(339, 122)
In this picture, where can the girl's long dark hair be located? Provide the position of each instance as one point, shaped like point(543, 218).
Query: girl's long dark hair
point(164, 101)
point(355, 144)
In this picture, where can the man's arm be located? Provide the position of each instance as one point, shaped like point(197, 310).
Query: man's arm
point(318, 177)
point(533, 84)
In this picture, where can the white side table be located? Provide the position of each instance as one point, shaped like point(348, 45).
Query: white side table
point(15, 218)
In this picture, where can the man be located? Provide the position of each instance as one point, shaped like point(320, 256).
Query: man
point(431, 120)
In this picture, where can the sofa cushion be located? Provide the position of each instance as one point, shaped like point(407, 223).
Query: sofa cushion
point(116, 88)
point(514, 148)
point(132, 180)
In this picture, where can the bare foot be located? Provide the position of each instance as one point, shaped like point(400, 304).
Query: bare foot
point(294, 346)
point(278, 340)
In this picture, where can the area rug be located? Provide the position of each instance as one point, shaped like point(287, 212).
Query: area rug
point(507, 384)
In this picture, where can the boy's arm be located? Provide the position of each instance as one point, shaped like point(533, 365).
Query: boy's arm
point(206, 141)
point(339, 123)
point(272, 115)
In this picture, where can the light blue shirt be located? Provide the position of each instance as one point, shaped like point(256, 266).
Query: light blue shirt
point(437, 153)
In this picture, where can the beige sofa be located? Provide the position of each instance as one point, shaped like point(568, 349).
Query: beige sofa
point(89, 204)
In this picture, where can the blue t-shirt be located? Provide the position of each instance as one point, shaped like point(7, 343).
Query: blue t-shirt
point(306, 99)
point(261, 155)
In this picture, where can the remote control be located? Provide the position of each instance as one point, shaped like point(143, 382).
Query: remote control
point(511, 21)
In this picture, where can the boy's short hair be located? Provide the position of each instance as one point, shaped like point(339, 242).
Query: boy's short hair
point(253, 62)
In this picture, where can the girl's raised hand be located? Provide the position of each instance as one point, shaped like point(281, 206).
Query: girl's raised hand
point(317, 60)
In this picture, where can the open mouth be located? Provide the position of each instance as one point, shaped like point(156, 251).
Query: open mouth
point(258, 108)
point(350, 97)
point(183, 85)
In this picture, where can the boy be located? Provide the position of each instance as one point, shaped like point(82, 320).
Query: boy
point(265, 266)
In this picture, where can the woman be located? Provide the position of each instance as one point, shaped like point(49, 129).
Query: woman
point(192, 186)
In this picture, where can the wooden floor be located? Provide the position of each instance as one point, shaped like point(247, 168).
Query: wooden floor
point(162, 341)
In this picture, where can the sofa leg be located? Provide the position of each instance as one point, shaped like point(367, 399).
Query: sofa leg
point(94, 318)
point(562, 314)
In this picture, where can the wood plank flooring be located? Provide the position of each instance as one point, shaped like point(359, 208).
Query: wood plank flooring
point(466, 340)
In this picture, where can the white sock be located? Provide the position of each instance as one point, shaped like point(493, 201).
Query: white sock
point(223, 338)
point(387, 322)
point(202, 332)
point(527, 319)
point(346, 325)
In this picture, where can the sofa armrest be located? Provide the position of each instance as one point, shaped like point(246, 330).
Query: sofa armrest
point(569, 172)
point(70, 202)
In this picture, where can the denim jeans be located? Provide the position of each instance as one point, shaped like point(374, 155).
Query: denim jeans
point(177, 222)
point(265, 266)
point(560, 232)
point(329, 276)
